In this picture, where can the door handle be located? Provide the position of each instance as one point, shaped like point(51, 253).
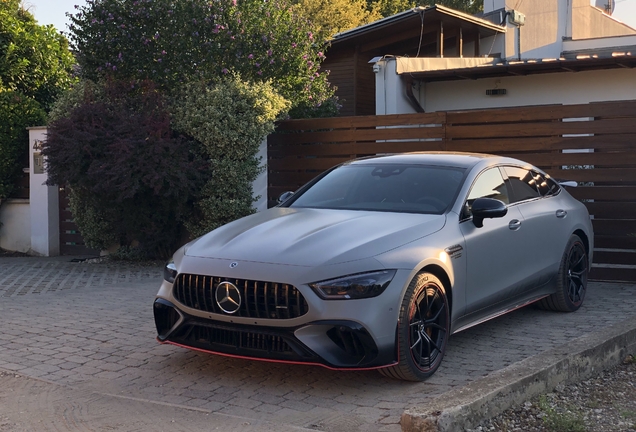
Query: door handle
point(514, 224)
point(561, 214)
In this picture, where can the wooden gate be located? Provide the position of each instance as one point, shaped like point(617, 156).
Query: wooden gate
point(593, 144)
point(71, 241)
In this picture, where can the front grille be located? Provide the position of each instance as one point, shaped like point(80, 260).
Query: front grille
point(258, 299)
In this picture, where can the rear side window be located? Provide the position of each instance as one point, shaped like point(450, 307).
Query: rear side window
point(523, 183)
point(528, 184)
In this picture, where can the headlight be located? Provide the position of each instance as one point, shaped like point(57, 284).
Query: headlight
point(357, 286)
point(170, 272)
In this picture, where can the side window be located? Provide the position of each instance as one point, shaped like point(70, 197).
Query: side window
point(547, 186)
point(524, 184)
point(489, 184)
point(527, 184)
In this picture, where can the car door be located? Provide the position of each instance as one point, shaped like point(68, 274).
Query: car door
point(537, 199)
point(495, 253)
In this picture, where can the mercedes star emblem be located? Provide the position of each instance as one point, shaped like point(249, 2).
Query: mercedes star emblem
point(228, 297)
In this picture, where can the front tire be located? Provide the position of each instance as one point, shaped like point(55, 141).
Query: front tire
point(572, 279)
point(423, 329)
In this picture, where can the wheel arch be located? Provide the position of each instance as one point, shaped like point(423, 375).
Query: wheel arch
point(441, 274)
point(585, 239)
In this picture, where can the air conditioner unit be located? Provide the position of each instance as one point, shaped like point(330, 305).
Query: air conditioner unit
point(516, 18)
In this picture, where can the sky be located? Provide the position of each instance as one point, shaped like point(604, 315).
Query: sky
point(53, 11)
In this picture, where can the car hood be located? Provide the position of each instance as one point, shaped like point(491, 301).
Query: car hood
point(312, 237)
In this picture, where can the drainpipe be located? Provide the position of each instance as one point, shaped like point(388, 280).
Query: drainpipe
point(408, 82)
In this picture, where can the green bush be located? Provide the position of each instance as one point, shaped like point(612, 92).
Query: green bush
point(230, 118)
point(17, 113)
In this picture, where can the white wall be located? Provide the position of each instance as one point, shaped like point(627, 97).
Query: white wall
point(390, 97)
point(15, 232)
point(44, 203)
point(542, 89)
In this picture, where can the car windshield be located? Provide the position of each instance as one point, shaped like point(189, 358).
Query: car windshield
point(383, 187)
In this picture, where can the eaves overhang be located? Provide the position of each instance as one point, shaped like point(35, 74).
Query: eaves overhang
point(430, 14)
point(526, 67)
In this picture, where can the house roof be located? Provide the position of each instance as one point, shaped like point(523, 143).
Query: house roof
point(413, 18)
point(528, 67)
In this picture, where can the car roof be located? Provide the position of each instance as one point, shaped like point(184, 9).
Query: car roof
point(450, 159)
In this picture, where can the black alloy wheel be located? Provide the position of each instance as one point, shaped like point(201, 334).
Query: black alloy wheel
point(572, 279)
point(423, 330)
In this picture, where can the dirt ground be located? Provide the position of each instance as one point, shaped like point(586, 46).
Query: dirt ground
point(605, 403)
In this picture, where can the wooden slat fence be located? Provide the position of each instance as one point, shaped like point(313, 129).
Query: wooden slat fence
point(593, 144)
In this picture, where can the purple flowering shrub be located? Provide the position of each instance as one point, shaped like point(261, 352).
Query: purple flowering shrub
point(133, 178)
point(172, 42)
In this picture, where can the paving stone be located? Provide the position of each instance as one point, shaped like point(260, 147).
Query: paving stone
point(296, 405)
point(58, 325)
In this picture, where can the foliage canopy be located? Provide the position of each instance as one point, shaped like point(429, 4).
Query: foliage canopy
point(334, 16)
point(34, 59)
point(17, 113)
point(172, 43)
point(391, 7)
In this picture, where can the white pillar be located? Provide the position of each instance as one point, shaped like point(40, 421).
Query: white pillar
point(43, 200)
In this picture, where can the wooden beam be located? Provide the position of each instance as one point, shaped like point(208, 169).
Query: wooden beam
point(440, 40)
point(355, 80)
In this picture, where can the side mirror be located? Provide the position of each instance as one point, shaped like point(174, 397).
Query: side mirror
point(568, 183)
point(487, 208)
point(285, 196)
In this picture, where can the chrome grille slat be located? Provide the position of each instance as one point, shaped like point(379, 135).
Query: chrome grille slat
point(265, 295)
point(196, 291)
point(270, 300)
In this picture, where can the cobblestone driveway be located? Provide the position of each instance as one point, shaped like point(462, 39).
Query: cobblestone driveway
point(90, 326)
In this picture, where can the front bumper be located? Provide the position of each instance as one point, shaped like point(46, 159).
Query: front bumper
point(338, 344)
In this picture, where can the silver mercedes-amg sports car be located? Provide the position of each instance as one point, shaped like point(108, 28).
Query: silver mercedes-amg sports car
point(373, 264)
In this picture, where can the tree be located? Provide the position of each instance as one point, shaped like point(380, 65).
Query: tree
point(34, 59)
point(35, 66)
point(172, 42)
point(392, 7)
point(334, 16)
point(17, 112)
point(468, 6)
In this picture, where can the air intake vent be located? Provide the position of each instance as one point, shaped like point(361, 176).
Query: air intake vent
point(496, 92)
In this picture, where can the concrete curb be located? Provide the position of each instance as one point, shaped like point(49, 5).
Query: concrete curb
point(466, 407)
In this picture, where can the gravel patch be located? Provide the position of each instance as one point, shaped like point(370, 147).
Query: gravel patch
point(605, 403)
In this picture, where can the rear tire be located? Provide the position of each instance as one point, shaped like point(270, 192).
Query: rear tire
point(423, 330)
point(572, 279)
